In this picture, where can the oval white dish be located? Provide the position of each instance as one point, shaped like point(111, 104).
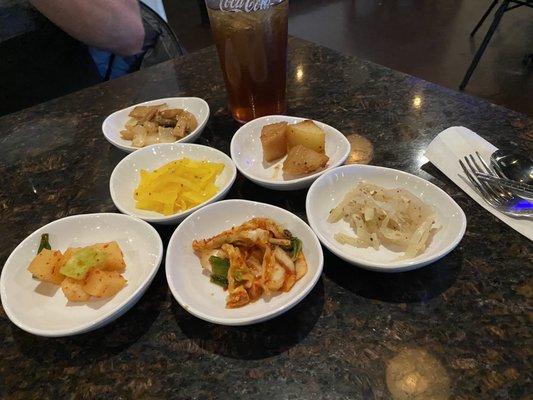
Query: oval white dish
point(247, 153)
point(115, 122)
point(42, 309)
point(126, 176)
point(194, 291)
point(327, 191)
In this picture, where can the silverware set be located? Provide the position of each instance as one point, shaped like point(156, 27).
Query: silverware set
point(508, 196)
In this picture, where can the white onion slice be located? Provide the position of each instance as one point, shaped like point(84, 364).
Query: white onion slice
point(385, 216)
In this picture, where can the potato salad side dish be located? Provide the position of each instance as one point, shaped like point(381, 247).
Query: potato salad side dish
point(385, 216)
point(256, 258)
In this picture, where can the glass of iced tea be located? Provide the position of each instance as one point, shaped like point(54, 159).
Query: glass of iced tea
point(251, 39)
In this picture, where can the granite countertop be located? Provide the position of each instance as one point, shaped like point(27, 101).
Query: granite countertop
point(458, 329)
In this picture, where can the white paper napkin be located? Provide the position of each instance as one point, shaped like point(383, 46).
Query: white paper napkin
point(456, 142)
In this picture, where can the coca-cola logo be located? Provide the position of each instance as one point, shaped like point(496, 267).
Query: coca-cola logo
point(244, 5)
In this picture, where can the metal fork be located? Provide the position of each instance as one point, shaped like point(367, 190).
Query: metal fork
point(496, 196)
point(518, 188)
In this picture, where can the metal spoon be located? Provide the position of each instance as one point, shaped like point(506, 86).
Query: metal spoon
point(514, 166)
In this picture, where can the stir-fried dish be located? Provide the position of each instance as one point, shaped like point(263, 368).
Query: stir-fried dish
point(157, 124)
point(256, 258)
point(385, 216)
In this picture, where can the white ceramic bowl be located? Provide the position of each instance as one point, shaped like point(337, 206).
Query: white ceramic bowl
point(327, 191)
point(196, 294)
point(126, 176)
point(41, 307)
point(247, 152)
point(115, 122)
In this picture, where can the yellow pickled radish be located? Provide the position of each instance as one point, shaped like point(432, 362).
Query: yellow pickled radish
point(177, 186)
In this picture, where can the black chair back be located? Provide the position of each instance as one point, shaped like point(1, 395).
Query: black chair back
point(161, 43)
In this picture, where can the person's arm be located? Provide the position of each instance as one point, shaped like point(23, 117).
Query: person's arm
point(113, 25)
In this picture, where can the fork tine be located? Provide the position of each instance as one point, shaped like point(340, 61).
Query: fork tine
point(486, 196)
point(487, 187)
point(471, 157)
point(506, 193)
point(497, 203)
point(487, 168)
point(496, 195)
point(469, 169)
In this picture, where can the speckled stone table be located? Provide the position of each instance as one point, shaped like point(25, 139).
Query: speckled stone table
point(458, 329)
